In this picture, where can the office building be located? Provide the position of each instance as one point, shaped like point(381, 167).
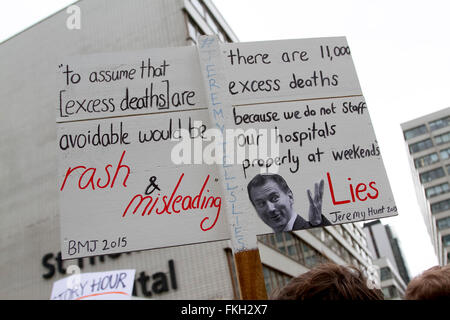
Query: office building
point(387, 255)
point(428, 142)
point(29, 237)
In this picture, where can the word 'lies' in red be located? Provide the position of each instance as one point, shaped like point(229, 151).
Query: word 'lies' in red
point(360, 192)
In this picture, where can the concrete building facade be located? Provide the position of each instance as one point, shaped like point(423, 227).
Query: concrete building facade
point(428, 142)
point(29, 237)
point(387, 256)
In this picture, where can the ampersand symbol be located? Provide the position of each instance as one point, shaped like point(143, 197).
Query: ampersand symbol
point(152, 186)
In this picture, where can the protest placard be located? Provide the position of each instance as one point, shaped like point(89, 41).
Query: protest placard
point(152, 154)
point(120, 118)
point(296, 119)
point(108, 285)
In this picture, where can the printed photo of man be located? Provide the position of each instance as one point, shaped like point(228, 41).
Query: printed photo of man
point(273, 201)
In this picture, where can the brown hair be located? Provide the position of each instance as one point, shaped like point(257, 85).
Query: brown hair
point(432, 284)
point(329, 281)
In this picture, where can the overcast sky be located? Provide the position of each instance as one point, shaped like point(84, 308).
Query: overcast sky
point(401, 51)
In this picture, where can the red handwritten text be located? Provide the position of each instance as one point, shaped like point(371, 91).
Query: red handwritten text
point(176, 203)
point(88, 175)
point(359, 193)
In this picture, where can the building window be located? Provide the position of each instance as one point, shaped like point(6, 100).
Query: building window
point(290, 242)
point(194, 31)
point(390, 292)
point(332, 243)
point(319, 233)
point(445, 154)
point(281, 244)
point(432, 175)
point(442, 138)
point(414, 132)
point(293, 247)
point(385, 273)
point(443, 223)
point(268, 239)
point(446, 240)
point(420, 146)
point(328, 239)
point(440, 123)
point(440, 206)
point(311, 256)
point(437, 190)
point(426, 160)
point(274, 279)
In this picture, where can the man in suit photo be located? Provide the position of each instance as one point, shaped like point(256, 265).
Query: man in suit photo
point(273, 201)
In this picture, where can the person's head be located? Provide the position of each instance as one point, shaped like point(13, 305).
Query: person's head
point(273, 200)
point(329, 281)
point(432, 284)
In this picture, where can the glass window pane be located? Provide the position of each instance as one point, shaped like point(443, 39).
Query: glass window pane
point(267, 279)
point(445, 154)
point(420, 146)
point(442, 138)
point(414, 132)
point(385, 273)
point(291, 251)
point(280, 242)
point(272, 239)
point(446, 240)
point(274, 279)
point(440, 123)
point(443, 223)
point(431, 175)
point(393, 291)
point(264, 239)
point(437, 190)
point(426, 160)
point(440, 206)
point(279, 236)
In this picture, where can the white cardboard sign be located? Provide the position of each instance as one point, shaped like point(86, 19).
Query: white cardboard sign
point(109, 285)
point(130, 178)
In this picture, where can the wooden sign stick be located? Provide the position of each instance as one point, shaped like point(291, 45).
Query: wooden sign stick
point(243, 236)
point(250, 275)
